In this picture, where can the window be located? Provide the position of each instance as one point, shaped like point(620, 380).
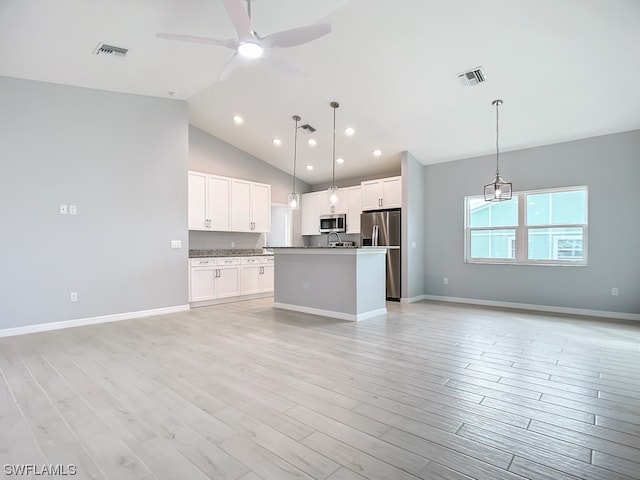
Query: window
point(534, 227)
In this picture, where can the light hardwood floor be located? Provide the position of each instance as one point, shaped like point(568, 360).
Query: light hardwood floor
point(244, 391)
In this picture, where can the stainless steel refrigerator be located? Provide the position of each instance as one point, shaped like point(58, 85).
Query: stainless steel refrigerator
point(382, 228)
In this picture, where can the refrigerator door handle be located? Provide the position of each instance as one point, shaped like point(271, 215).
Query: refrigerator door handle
point(374, 236)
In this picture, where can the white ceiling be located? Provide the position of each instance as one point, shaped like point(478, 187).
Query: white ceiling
point(565, 69)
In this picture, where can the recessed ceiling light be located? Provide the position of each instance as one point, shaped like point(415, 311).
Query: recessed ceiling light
point(309, 167)
point(377, 152)
point(340, 160)
point(349, 131)
point(238, 120)
point(277, 142)
point(312, 142)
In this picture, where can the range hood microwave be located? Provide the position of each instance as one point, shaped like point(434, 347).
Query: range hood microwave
point(333, 223)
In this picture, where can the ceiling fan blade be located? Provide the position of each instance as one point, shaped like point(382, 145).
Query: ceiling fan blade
point(229, 43)
point(296, 36)
point(240, 19)
point(232, 65)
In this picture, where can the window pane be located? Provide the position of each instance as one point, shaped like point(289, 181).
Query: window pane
point(556, 208)
point(556, 243)
point(493, 243)
point(493, 214)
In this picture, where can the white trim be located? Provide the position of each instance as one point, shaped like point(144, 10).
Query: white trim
point(541, 308)
point(330, 313)
point(412, 299)
point(236, 298)
point(79, 322)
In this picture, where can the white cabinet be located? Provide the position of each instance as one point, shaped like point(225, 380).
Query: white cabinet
point(257, 275)
point(353, 197)
point(382, 193)
point(310, 213)
point(212, 278)
point(250, 206)
point(208, 202)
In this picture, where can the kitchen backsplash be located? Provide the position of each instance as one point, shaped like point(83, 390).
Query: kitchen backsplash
point(224, 240)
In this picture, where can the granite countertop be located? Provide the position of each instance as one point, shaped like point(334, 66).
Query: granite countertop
point(319, 246)
point(228, 252)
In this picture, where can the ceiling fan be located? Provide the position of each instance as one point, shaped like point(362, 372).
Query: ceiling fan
point(249, 45)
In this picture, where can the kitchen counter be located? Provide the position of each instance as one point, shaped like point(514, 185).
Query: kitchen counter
point(227, 252)
point(341, 282)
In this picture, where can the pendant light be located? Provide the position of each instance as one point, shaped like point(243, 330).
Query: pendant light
point(333, 190)
point(294, 198)
point(498, 190)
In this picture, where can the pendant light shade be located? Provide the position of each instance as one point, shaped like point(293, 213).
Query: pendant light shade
point(294, 198)
point(333, 190)
point(498, 190)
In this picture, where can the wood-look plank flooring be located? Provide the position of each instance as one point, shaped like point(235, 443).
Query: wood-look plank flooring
point(246, 391)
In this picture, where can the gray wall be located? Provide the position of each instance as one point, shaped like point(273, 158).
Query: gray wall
point(209, 154)
point(122, 159)
point(609, 165)
point(413, 227)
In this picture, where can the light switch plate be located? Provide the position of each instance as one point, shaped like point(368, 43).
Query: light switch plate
point(176, 243)
point(63, 209)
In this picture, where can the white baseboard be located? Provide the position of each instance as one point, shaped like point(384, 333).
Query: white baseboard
point(412, 299)
point(539, 308)
point(329, 313)
point(44, 327)
point(234, 299)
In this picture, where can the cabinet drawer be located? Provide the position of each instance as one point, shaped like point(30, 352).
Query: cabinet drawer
point(268, 259)
point(202, 262)
point(251, 260)
point(228, 261)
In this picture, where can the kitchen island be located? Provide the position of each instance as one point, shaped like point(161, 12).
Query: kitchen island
point(343, 282)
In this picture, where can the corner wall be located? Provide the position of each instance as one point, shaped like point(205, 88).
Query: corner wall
point(122, 160)
point(609, 165)
point(413, 227)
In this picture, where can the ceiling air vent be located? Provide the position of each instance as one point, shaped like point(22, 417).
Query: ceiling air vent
point(472, 77)
point(110, 50)
point(308, 128)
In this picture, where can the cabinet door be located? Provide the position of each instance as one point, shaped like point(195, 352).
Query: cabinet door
point(371, 194)
point(250, 279)
point(310, 213)
point(228, 282)
point(218, 203)
point(267, 276)
point(203, 284)
point(354, 198)
point(240, 205)
point(392, 192)
point(197, 201)
point(261, 207)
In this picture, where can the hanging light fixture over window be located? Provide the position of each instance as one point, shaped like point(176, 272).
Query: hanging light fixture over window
point(498, 190)
point(333, 190)
point(294, 198)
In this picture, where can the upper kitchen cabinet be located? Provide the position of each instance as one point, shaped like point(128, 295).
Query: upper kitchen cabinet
point(310, 213)
point(208, 202)
point(382, 193)
point(251, 206)
point(353, 197)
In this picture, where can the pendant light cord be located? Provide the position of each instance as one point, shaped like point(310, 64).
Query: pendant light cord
point(497, 104)
point(295, 151)
point(334, 105)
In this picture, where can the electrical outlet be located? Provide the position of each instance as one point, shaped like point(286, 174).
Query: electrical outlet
point(176, 243)
point(445, 280)
point(233, 244)
point(614, 291)
point(73, 296)
point(413, 244)
point(63, 209)
point(72, 210)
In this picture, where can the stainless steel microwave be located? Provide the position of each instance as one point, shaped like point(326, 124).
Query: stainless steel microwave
point(333, 223)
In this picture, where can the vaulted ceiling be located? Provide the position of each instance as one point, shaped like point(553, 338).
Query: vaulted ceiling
point(565, 69)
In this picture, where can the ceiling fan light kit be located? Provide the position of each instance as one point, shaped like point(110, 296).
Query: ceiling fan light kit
point(249, 45)
point(498, 190)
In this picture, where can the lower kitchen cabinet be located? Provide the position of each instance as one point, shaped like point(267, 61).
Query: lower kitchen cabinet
point(256, 275)
point(213, 279)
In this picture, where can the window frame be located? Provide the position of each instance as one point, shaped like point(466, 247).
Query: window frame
point(522, 231)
